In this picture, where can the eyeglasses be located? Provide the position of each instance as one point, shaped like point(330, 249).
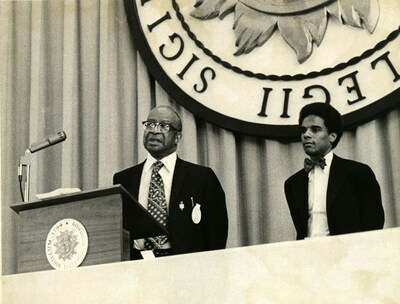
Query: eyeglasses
point(162, 127)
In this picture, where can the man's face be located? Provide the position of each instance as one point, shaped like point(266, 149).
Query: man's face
point(160, 144)
point(316, 140)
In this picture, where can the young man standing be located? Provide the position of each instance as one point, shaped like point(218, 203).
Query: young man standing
point(331, 195)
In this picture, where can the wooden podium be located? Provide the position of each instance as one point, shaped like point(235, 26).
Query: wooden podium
point(110, 216)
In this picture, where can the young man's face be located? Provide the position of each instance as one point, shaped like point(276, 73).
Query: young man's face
point(315, 137)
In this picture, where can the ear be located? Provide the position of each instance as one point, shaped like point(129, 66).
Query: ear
point(178, 137)
point(332, 137)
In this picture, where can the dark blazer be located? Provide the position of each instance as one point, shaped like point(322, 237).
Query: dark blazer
point(354, 201)
point(189, 180)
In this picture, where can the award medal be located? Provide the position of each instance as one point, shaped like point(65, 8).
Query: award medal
point(196, 214)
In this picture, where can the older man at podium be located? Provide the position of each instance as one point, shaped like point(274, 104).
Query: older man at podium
point(184, 197)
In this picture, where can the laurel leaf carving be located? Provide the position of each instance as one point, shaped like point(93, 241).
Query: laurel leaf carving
point(316, 23)
point(252, 28)
point(357, 13)
point(227, 7)
point(207, 9)
point(301, 31)
point(297, 36)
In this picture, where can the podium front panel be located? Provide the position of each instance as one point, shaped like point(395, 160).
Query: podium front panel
point(101, 217)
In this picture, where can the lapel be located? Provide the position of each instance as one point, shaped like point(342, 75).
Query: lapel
point(180, 173)
point(134, 180)
point(302, 194)
point(336, 180)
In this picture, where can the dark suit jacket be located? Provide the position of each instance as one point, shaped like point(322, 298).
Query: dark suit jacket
point(354, 201)
point(189, 180)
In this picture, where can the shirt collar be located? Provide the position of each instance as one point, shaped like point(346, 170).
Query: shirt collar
point(328, 162)
point(168, 161)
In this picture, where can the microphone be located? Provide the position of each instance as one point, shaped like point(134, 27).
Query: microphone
point(48, 141)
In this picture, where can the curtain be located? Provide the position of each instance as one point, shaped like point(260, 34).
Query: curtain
point(73, 66)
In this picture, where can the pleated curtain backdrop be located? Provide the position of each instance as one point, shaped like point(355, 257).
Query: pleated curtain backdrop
point(73, 66)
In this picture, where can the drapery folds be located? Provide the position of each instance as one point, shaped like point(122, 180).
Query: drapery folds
point(73, 66)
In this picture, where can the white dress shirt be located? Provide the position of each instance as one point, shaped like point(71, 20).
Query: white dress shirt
point(167, 173)
point(317, 192)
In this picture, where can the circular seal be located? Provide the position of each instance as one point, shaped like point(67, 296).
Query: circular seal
point(250, 65)
point(66, 244)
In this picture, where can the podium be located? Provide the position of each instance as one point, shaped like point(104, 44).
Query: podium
point(111, 216)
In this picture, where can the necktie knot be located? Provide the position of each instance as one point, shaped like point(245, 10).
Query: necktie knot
point(157, 166)
point(309, 164)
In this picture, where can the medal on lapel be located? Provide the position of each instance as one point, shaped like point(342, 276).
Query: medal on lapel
point(196, 213)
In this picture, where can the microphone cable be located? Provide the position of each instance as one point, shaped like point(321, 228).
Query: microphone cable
point(20, 187)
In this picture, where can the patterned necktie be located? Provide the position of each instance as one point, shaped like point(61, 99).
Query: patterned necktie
point(157, 206)
point(309, 164)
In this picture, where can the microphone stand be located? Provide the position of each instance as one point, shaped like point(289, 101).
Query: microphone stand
point(25, 161)
point(25, 166)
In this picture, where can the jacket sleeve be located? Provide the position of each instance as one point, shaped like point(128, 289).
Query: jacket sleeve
point(301, 230)
point(369, 195)
point(215, 221)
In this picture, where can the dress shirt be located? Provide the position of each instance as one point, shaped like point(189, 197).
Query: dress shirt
point(317, 192)
point(167, 173)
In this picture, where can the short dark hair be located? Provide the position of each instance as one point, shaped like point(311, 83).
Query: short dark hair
point(331, 117)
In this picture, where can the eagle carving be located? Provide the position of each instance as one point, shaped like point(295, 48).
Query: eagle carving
point(300, 22)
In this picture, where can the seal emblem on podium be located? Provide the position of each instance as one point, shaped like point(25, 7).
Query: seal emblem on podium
point(66, 244)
